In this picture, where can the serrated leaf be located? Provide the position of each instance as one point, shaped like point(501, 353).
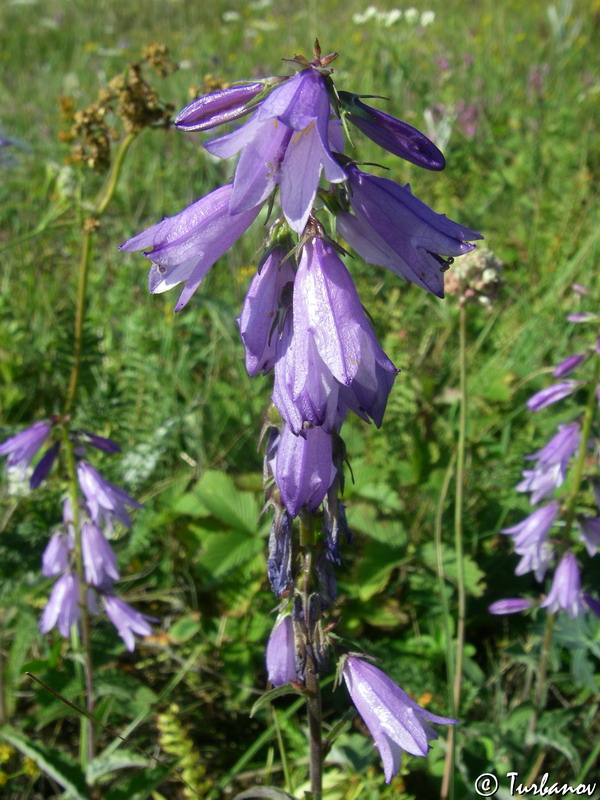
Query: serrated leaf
point(560, 743)
point(236, 509)
point(184, 629)
point(474, 583)
point(375, 568)
point(189, 505)
point(365, 518)
point(104, 764)
point(225, 551)
point(56, 765)
point(267, 697)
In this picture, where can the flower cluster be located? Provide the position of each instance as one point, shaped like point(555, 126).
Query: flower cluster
point(557, 534)
point(302, 320)
point(82, 535)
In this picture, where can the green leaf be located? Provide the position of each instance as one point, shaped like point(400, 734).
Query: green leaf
point(139, 786)
point(56, 765)
point(375, 568)
point(184, 629)
point(267, 697)
point(106, 763)
point(225, 551)
point(474, 583)
point(236, 509)
point(267, 792)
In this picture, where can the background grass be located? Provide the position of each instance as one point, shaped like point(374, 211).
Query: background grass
point(512, 94)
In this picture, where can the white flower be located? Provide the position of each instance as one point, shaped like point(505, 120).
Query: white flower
point(427, 17)
point(411, 15)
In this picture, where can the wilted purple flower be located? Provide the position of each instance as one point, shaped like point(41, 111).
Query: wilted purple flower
point(56, 554)
point(127, 620)
point(184, 247)
point(285, 142)
point(395, 722)
point(568, 366)
point(529, 539)
point(511, 605)
point(565, 592)
point(21, 448)
point(279, 562)
point(280, 654)
point(263, 312)
point(62, 609)
point(551, 394)
point(589, 528)
point(394, 229)
point(218, 107)
point(99, 560)
point(303, 468)
point(392, 134)
point(105, 500)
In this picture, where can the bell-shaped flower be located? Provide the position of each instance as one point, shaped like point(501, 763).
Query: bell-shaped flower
point(303, 468)
point(565, 592)
point(22, 448)
point(281, 654)
point(511, 605)
point(55, 557)
point(529, 538)
point(551, 394)
point(392, 134)
point(395, 722)
point(267, 301)
point(127, 620)
point(589, 529)
point(99, 560)
point(551, 463)
point(285, 142)
point(183, 248)
point(392, 228)
point(105, 501)
point(218, 107)
point(62, 609)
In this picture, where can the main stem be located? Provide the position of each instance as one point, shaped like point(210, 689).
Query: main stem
point(311, 680)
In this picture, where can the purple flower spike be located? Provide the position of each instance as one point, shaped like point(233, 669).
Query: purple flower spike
point(392, 134)
point(218, 107)
point(568, 366)
point(265, 306)
point(512, 605)
point(394, 229)
point(565, 592)
point(285, 142)
point(184, 247)
point(395, 722)
point(56, 555)
point(21, 448)
point(303, 468)
point(62, 609)
point(281, 654)
point(589, 528)
point(127, 620)
point(551, 394)
point(99, 560)
point(105, 500)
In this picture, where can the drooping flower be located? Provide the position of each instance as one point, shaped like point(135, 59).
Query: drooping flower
point(511, 605)
point(589, 528)
point(218, 107)
point(395, 722)
point(303, 468)
point(551, 463)
point(22, 448)
point(392, 228)
point(62, 609)
point(106, 502)
point(530, 539)
point(279, 561)
point(551, 394)
point(280, 654)
point(99, 560)
point(392, 134)
point(285, 142)
point(263, 312)
point(184, 247)
point(44, 465)
point(568, 366)
point(55, 557)
point(565, 592)
point(127, 620)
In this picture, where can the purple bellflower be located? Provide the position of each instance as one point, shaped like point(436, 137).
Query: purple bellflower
point(99, 560)
point(281, 654)
point(551, 394)
point(55, 557)
point(552, 462)
point(394, 229)
point(62, 609)
point(106, 502)
point(395, 722)
point(263, 312)
point(22, 448)
point(184, 247)
point(127, 620)
point(565, 592)
point(392, 134)
point(303, 468)
point(511, 605)
point(218, 107)
point(589, 528)
point(529, 538)
point(568, 366)
point(285, 142)
point(44, 465)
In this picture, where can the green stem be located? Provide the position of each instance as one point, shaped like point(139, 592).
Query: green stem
point(313, 688)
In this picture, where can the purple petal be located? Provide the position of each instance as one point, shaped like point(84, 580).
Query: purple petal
point(44, 465)
point(127, 620)
point(551, 394)
point(62, 610)
point(281, 654)
point(565, 592)
point(568, 366)
point(99, 560)
point(217, 107)
point(21, 448)
point(512, 605)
